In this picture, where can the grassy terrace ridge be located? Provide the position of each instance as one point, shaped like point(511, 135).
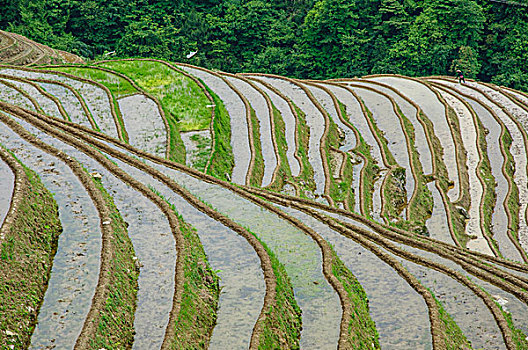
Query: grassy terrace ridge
point(196, 318)
point(26, 259)
point(115, 328)
point(455, 338)
point(281, 329)
point(258, 167)
point(284, 171)
point(305, 179)
point(394, 197)
point(340, 189)
point(362, 332)
point(222, 158)
point(182, 100)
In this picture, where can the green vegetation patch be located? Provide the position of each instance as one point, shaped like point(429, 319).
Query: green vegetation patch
point(281, 329)
point(181, 97)
point(115, 328)
point(202, 152)
point(490, 197)
point(258, 166)
point(305, 180)
point(26, 259)
point(222, 160)
point(118, 86)
point(284, 172)
point(362, 332)
point(454, 337)
point(201, 291)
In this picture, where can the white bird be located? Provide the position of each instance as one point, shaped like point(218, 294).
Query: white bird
point(191, 54)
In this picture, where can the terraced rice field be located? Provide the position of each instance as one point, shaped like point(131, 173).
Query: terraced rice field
point(146, 204)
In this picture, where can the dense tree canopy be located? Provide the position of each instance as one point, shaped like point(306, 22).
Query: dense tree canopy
point(302, 38)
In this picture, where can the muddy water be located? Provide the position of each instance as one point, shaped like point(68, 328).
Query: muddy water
point(409, 111)
point(401, 325)
point(70, 103)
point(258, 102)
point(522, 116)
point(499, 217)
point(314, 120)
point(48, 106)
point(388, 122)
point(325, 100)
point(435, 111)
point(12, 96)
point(437, 225)
point(239, 127)
point(76, 266)
point(517, 149)
point(95, 97)
point(289, 127)
point(144, 125)
point(7, 183)
point(468, 311)
point(153, 242)
point(319, 302)
point(236, 262)
point(469, 138)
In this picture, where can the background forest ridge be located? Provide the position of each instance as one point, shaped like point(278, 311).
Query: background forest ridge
point(299, 38)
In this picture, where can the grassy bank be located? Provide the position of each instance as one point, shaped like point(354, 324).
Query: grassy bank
point(284, 172)
point(455, 338)
point(26, 259)
point(362, 332)
point(222, 159)
point(258, 166)
point(197, 314)
point(115, 328)
point(282, 326)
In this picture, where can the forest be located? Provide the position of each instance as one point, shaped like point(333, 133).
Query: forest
point(322, 39)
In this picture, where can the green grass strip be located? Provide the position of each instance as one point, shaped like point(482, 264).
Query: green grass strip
point(284, 172)
point(258, 166)
point(26, 259)
point(222, 159)
point(281, 328)
point(116, 320)
point(199, 304)
point(455, 338)
point(182, 98)
point(362, 332)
